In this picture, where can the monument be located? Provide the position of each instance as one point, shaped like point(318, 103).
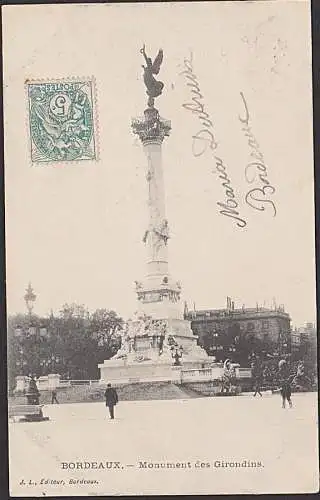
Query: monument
point(157, 342)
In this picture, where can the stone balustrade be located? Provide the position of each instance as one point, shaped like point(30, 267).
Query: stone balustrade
point(178, 375)
point(44, 383)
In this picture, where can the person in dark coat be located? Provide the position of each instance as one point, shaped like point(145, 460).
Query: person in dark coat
point(54, 397)
point(257, 376)
point(111, 399)
point(286, 392)
point(285, 380)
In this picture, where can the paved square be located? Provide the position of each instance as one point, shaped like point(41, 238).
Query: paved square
point(208, 431)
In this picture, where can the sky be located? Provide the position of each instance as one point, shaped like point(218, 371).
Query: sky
point(75, 230)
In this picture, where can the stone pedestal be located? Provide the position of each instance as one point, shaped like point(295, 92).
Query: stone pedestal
point(121, 372)
point(32, 393)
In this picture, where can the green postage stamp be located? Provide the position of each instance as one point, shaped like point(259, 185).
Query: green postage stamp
point(62, 120)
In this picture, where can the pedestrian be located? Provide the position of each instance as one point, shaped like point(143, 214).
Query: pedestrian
point(256, 374)
point(286, 393)
point(54, 397)
point(258, 379)
point(111, 399)
point(161, 341)
point(285, 380)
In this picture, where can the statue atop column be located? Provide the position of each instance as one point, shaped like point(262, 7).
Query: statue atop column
point(154, 87)
point(151, 127)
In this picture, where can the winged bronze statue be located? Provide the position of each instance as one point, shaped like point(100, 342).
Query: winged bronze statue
point(154, 87)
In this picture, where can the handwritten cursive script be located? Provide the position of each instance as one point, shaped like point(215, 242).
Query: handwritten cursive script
point(205, 141)
point(260, 196)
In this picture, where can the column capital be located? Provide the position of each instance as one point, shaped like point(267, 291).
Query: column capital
point(151, 128)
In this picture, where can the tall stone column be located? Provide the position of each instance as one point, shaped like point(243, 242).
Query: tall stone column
point(158, 294)
point(152, 130)
point(157, 246)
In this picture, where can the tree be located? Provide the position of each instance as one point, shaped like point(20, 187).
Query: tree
point(106, 326)
point(74, 346)
point(71, 343)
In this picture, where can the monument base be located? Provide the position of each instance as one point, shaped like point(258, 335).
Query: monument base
point(150, 366)
point(155, 350)
point(122, 373)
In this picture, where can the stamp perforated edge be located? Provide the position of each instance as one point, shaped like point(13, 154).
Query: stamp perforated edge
point(96, 129)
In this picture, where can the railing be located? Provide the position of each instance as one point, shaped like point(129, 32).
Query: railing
point(69, 383)
point(202, 374)
point(197, 374)
point(209, 374)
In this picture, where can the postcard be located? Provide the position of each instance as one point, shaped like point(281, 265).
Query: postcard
point(160, 249)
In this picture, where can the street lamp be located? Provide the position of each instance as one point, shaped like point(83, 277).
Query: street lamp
point(32, 393)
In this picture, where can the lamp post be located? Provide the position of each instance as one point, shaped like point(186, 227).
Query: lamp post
point(32, 393)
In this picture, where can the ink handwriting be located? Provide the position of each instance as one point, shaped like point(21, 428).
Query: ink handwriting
point(205, 141)
point(260, 196)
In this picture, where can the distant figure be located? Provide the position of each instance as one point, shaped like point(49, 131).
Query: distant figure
point(54, 397)
point(286, 393)
point(161, 341)
point(111, 399)
point(285, 381)
point(257, 375)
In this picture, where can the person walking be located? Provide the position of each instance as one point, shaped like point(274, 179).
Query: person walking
point(54, 397)
point(285, 380)
point(111, 399)
point(258, 380)
point(286, 393)
point(257, 373)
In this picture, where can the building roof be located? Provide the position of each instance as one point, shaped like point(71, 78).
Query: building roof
point(239, 314)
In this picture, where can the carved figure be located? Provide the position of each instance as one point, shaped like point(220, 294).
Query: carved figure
point(163, 232)
point(138, 285)
point(154, 87)
point(124, 348)
point(228, 377)
point(177, 355)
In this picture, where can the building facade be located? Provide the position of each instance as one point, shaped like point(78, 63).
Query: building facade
point(240, 333)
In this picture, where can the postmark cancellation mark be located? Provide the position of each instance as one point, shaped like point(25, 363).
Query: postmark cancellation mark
point(62, 121)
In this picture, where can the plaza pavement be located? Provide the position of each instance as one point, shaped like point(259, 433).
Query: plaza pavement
point(202, 430)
